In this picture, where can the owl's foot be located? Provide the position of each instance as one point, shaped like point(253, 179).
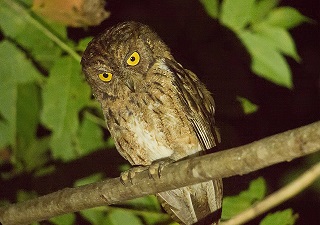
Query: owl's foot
point(127, 176)
point(156, 168)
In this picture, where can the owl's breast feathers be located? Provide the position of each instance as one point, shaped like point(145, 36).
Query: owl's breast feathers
point(169, 115)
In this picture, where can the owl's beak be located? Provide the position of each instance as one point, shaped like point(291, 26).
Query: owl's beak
point(130, 84)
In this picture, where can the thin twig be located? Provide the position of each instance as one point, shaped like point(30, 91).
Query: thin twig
point(277, 197)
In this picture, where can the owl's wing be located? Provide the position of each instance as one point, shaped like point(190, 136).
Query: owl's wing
point(198, 104)
point(199, 203)
point(195, 204)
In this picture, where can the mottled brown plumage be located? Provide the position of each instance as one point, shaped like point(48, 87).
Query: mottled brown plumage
point(154, 109)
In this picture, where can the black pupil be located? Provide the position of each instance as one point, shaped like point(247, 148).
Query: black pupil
point(105, 75)
point(132, 58)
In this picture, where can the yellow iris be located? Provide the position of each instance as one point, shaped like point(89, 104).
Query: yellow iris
point(106, 77)
point(133, 59)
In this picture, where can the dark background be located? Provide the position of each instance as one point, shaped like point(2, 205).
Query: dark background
point(219, 59)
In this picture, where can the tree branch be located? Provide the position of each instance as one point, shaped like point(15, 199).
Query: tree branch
point(236, 161)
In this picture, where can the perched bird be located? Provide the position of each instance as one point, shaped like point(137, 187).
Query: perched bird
point(155, 110)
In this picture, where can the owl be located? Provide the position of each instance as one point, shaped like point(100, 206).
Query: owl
point(155, 110)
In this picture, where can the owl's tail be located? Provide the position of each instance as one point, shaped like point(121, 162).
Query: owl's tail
point(195, 204)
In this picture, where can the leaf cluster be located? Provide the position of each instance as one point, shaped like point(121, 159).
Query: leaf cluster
point(43, 93)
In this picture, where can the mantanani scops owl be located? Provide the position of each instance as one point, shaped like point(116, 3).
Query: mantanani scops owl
point(155, 109)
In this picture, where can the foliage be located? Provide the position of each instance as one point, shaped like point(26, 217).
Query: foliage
point(232, 205)
point(263, 29)
point(47, 113)
point(285, 217)
point(42, 82)
point(247, 106)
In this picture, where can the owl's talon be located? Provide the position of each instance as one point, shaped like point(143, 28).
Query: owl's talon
point(164, 164)
point(153, 171)
point(126, 177)
point(156, 168)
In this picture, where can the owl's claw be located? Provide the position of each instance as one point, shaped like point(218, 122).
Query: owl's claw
point(127, 176)
point(155, 169)
point(124, 178)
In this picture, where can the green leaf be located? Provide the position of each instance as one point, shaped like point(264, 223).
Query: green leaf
point(286, 17)
point(28, 109)
point(124, 167)
point(257, 189)
point(149, 209)
point(90, 136)
point(247, 106)
point(110, 143)
point(28, 116)
point(26, 2)
point(14, 24)
point(5, 137)
point(156, 218)
point(64, 95)
point(211, 7)
point(267, 68)
point(35, 154)
point(83, 43)
point(23, 195)
point(88, 180)
point(95, 216)
point(267, 61)
point(44, 171)
point(149, 202)
point(236, 14)
point(120, 217)
point(12, 74)
point(285, 217)
point(280, 38)
point(233, 205)
point(65, 219)
point(261, 9)
point(4, 203)
point(35, 223)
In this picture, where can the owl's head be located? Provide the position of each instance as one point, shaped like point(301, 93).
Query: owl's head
point(122, 56)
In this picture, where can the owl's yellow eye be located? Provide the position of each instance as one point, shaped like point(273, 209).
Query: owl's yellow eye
point(106, 77)
point(133, 59)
